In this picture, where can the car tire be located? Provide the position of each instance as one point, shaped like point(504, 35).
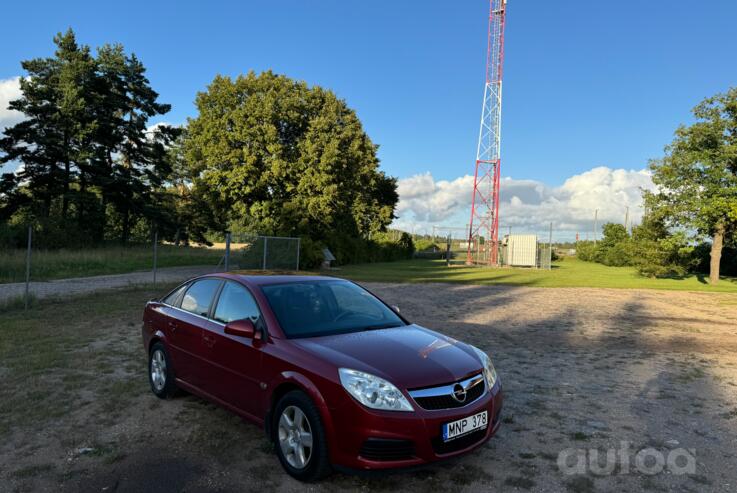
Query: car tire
point(161, 372)
point(304, 415)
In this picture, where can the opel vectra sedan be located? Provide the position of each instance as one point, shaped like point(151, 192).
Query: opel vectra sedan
point(336, 377)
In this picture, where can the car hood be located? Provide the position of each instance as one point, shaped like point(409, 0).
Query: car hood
point(409, 356)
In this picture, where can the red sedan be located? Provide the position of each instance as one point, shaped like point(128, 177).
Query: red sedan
point(336, 377)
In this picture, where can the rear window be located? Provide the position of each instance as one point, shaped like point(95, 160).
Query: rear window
point(199, 296)
point(315, 308)
point(173, 298)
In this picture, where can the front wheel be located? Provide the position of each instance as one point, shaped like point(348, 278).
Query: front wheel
point(300, 437)
point(160, 372)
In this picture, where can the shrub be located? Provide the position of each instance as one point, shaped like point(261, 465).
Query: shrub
point(310, 253)
point(586, 250)
point(353, 250)
point(424, 245)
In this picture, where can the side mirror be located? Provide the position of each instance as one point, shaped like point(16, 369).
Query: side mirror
point(240, 328)
point(395, 308)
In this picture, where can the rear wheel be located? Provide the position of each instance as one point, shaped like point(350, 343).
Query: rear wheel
point(300, 437)
point(161, 372)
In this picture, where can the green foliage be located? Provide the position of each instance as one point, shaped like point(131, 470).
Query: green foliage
point(427, 245)
point(288, 159)
point(697, 178)
point(586, 251)
point(90, 164)
point(310, 253)
point(351, 250)
point(615, 247)
point(653, 249)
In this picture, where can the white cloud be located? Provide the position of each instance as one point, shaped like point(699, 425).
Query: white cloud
point(9, 91)
point(527, 205)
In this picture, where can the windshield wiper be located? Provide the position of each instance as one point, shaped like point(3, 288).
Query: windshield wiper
point(382, 326)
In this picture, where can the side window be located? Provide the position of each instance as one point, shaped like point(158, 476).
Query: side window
point(236, 303)
point(199, 296)
point(173, 298)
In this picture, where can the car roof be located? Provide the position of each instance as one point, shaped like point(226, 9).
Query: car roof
point(273, 279)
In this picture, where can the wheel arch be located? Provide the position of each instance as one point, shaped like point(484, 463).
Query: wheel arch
point(289, 381)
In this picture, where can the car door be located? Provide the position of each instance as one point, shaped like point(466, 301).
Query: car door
point(235, 362)
point(184, 331)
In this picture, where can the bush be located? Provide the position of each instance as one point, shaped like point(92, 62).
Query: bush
point(310, 253)
point(671, 256)
point(354, 250)
point(423, 245)
point(586, 250)
point(617, 255)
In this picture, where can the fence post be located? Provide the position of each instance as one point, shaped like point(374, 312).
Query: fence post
point(447, 251)
point(227, 251)
point(28, 265)
point(298, 240)
point(550, 248)
point(156, 252)
point(266, 246)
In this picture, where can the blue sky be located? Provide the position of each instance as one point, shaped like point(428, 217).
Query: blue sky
point(587, 83)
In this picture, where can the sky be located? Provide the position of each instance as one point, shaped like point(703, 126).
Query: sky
point(592, 89)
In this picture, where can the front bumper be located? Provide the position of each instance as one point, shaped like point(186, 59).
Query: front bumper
point(408, 438)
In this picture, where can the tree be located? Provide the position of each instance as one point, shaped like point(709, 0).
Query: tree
point(614, 249)
point(84, 142)
point(130, 160)
point(50, 141)
point(657, 251)
point(697, 177)
point(286, 158)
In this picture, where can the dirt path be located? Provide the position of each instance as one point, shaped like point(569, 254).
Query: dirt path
point(585, 371)
point(62, 288)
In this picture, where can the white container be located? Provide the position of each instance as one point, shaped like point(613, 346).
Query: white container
point(522, 250)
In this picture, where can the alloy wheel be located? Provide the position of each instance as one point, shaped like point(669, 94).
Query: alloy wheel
point(158, 369)
point(295, 437)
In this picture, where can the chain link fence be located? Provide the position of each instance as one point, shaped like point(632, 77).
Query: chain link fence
point(254, 252)
point(537, 251)
point(37, 272)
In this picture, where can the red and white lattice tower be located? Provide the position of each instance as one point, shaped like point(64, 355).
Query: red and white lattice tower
point(485, 200)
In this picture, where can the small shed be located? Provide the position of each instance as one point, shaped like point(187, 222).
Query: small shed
point(521, 250)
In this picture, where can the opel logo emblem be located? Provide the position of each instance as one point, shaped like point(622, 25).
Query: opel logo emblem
point(459, 393)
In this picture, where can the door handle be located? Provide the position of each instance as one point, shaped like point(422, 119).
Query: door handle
point(209, 341)
point(172, 326)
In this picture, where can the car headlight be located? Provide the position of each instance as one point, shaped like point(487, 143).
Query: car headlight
point(372, 391)
point(489, 370)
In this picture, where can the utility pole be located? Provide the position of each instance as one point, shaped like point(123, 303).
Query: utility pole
point(626, 217)
point(550, 248)
point(596, 218)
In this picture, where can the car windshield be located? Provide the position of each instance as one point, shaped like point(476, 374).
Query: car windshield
point(325, 307)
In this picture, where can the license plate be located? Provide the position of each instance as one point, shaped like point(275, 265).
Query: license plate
point(463, 426)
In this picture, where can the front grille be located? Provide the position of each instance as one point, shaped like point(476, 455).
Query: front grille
point(441, 397)
point(447, 401)
point(440, 447)
point(384, 449)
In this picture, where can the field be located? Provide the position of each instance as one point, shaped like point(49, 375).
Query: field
point(62, 264)
point(583, 369)
point(567, 273)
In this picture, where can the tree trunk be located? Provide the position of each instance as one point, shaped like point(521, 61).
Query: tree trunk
point(716, 253)
point(126, 227)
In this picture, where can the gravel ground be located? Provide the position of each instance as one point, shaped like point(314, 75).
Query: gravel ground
point(84, 285)
point(585, 371)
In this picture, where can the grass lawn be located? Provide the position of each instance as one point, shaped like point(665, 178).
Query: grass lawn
point(569, 272)
point(44, 362)
point(61, 264)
